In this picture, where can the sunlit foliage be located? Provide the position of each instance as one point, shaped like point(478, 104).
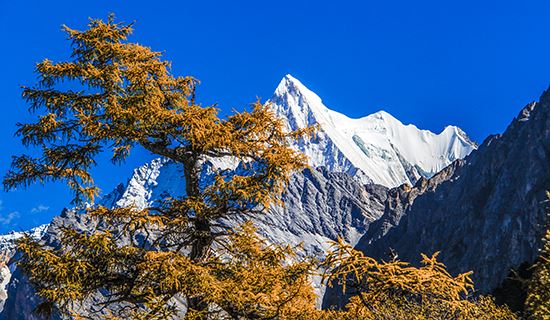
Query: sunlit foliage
point(247, 278)
point(397, 290)
point(112, 96)
point(537, 305)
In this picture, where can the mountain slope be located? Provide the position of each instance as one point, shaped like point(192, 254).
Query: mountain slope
point(489, 216)
point(377, 148)
point(319, 205)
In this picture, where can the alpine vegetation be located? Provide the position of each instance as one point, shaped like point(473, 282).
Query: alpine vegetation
point(127, 98)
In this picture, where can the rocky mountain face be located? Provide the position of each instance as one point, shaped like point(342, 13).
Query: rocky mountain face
point(22, 299)
point(402, 198)
point(320, 205)
point(488, 215)
point(397, 202)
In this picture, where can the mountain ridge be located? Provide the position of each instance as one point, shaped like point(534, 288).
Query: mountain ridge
point(496, 198)
point(376, 148)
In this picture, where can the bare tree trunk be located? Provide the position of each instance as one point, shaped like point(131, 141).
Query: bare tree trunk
point(201, 239)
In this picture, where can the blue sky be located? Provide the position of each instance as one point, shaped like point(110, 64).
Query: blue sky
point(432, 63)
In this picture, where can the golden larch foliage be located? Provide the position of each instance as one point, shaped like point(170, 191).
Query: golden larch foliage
point(112, 96)
point(537, 305)
point(396, 290)
point(246, 278)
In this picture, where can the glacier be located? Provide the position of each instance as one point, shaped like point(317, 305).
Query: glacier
point(377, 148)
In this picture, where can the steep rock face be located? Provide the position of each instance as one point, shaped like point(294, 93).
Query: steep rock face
point(489, 215)
point(397, 201)
point(400, 199)
point(320, 205)
point(377, 148)
point(22, 299)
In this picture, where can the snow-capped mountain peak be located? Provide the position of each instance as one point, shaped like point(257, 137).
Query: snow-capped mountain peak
point(297, 102)
point(377, 148)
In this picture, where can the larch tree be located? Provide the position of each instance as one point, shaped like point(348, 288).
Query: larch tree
point(112, 96)
point(397, 290)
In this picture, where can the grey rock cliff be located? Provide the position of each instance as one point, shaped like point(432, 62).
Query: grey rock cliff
point(396, 202)
point(488, 215)
point(400, 199)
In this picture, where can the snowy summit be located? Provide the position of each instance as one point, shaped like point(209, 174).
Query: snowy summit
point(377, 148)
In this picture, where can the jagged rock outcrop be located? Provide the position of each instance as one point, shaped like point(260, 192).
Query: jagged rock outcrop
point(397, 201)
point(319, 205)
point(489, 215)
point(400, 199)
point(7, 249)
point(22, 299)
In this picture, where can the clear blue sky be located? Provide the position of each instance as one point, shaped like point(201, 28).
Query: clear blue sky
point(432, 63)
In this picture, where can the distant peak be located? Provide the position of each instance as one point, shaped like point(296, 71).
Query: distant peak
point(456, 131)
point(289, 84)
point(383, 116)
point(450, 128)
point(289, 77)
point(293, 87)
